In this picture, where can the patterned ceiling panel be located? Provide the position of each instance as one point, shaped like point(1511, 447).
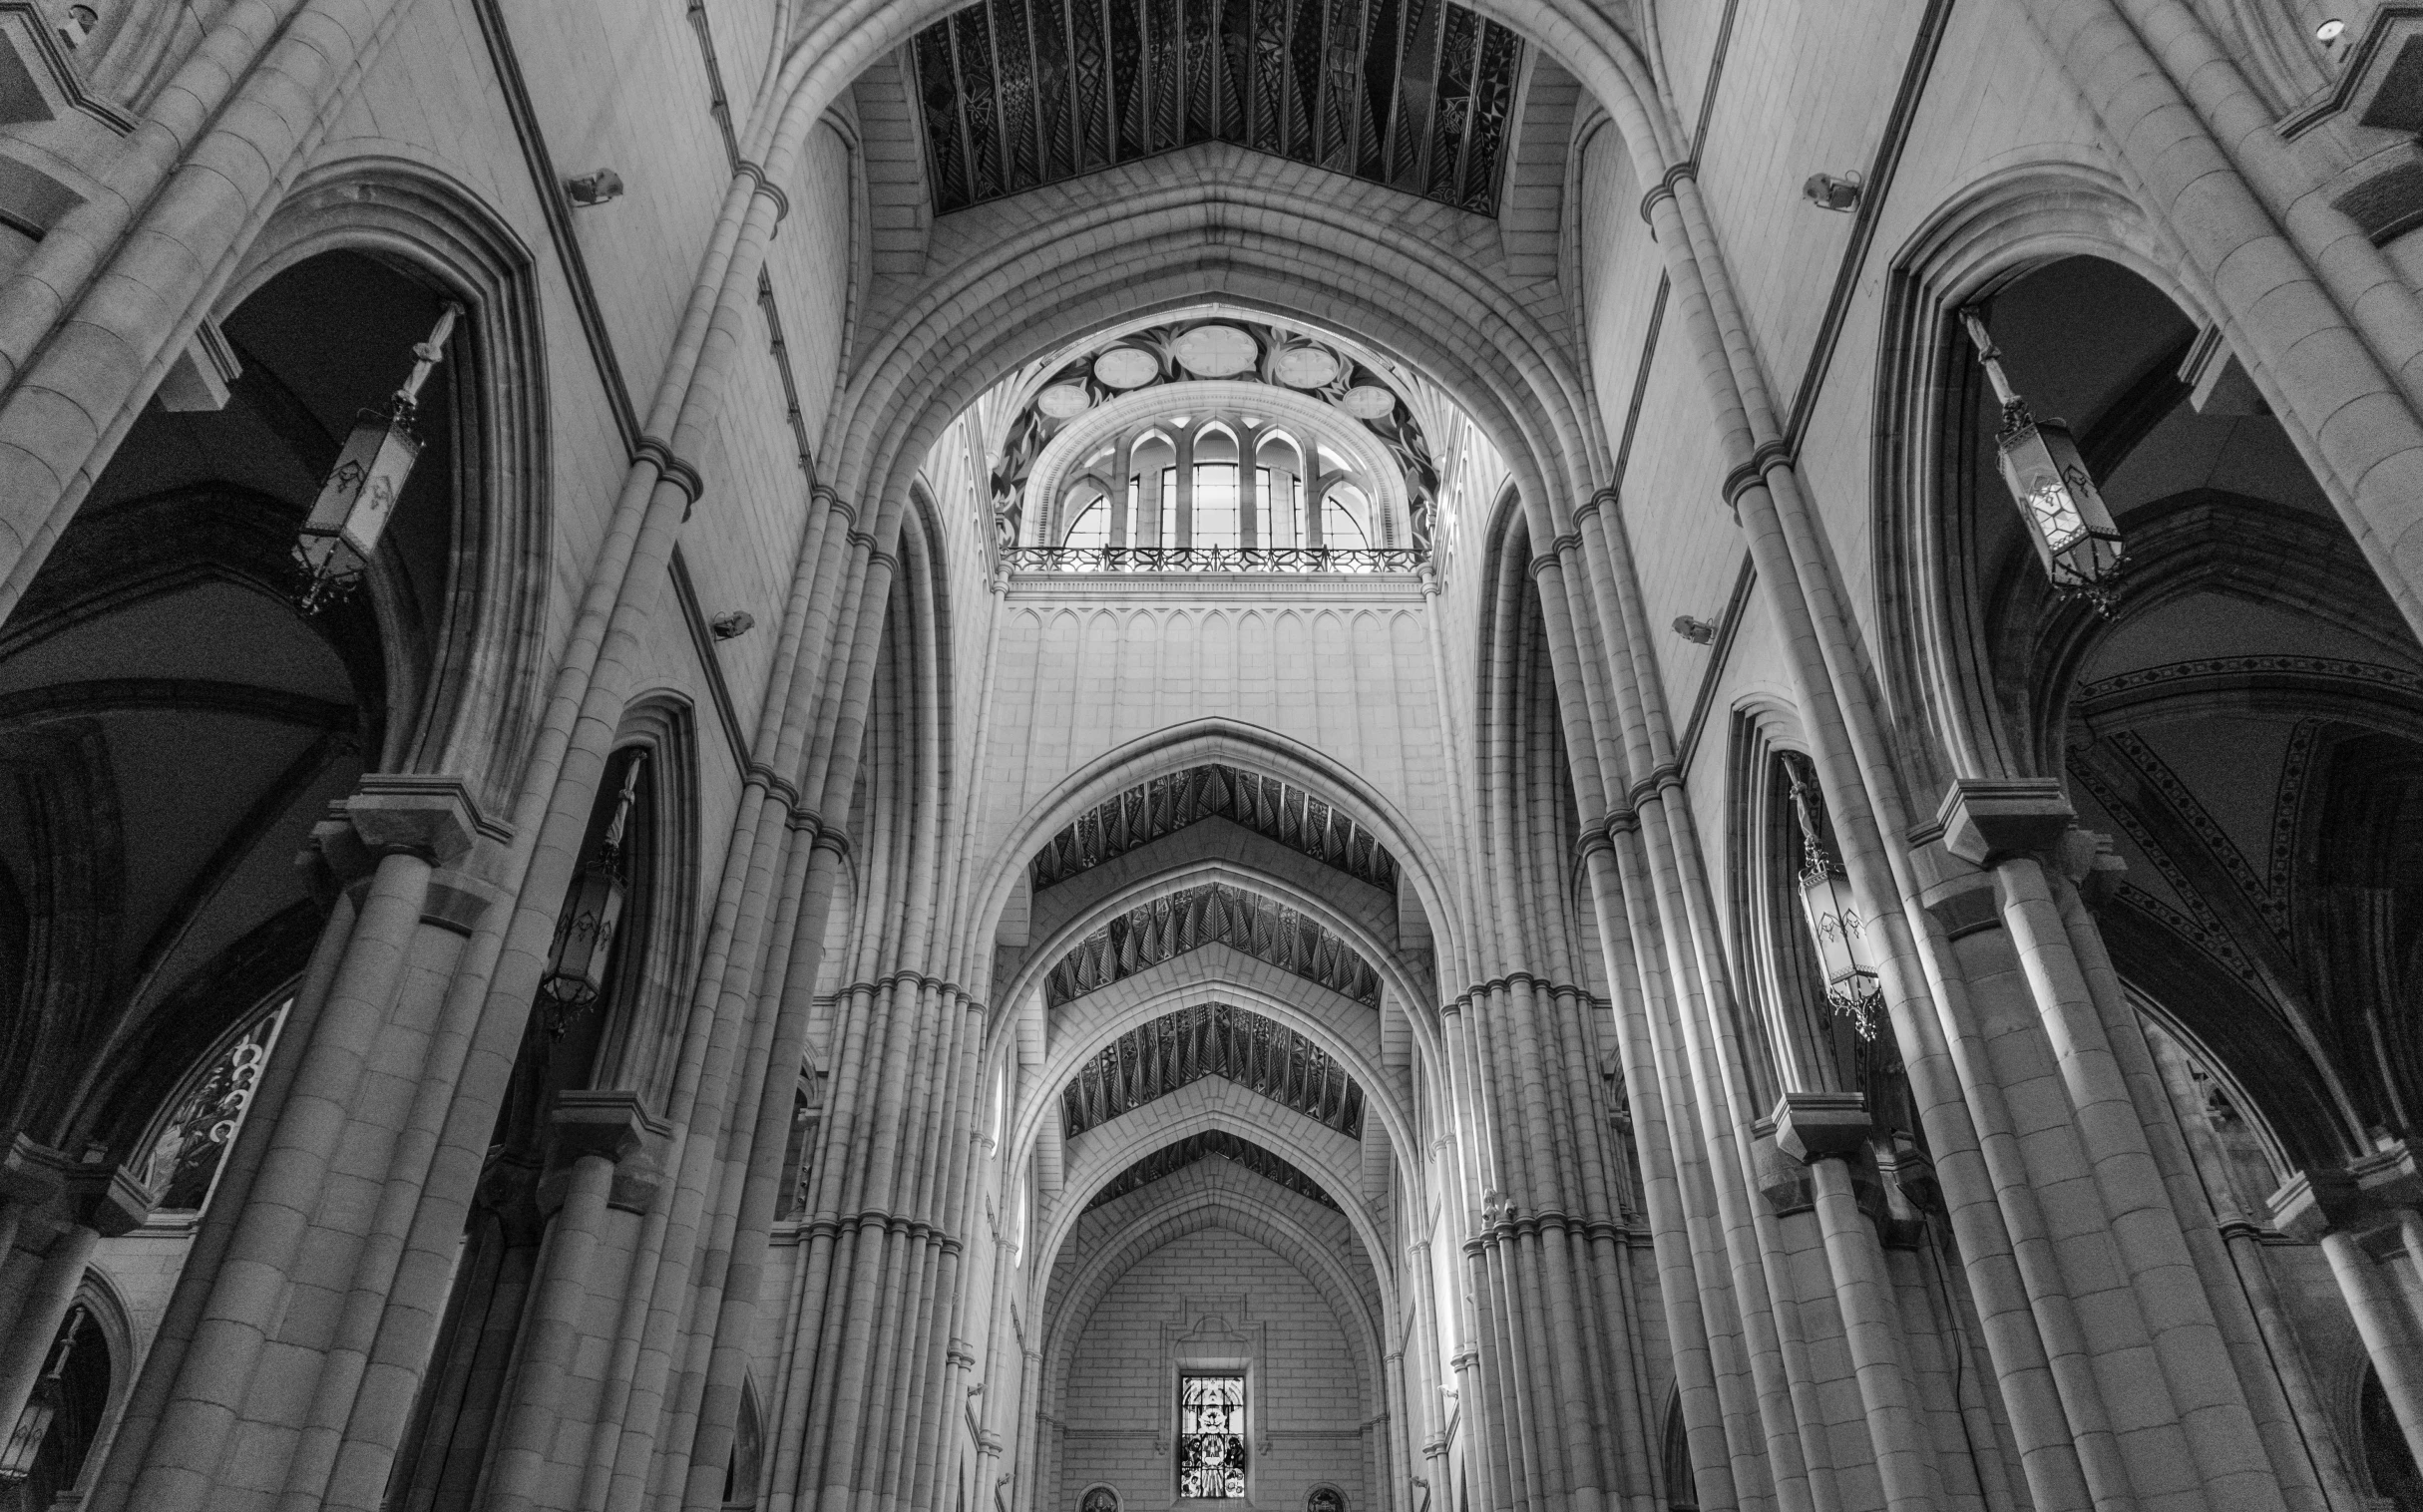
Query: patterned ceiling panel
point(1414, 93)
point(1213, 913)
point(1283, 812)
point(1170, 1159)
point(1212, 1039)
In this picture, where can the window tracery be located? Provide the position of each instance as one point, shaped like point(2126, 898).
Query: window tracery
point(1274, 452)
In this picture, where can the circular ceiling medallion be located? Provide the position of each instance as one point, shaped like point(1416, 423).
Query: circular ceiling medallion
point(1215, 351)
point(1306, 367)
point(1127, 367)
point(1062, 400)
point(1369, 401)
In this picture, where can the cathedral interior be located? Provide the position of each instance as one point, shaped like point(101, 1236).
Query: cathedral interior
point(1095, 755)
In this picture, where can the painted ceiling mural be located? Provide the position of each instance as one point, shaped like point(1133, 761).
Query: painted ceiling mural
point(1414, 93)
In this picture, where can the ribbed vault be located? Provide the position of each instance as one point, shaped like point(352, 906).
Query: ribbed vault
point(1212, 1039)
point(1212, 914)
point(1283, 812)
point(1211, 1144)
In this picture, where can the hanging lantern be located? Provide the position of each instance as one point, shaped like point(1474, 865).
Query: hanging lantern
point(24, 1443)
point(360, 493)
point(2075, 536)
point(1836, 925)
point(585, 932)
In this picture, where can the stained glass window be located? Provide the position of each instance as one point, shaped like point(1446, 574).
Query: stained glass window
point(193, 1137)
point(1211, 1436)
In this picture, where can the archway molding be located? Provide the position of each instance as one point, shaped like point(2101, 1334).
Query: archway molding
point(1384, 959)
point(1933, 630)
point(1372, 907)
point(477, 711)
point(821, 62)
point(1308, 263)
point(1188, 1203)
point(1223, 1108)
point(642, 1040)
point(1084, 1027)
point(1220, 740)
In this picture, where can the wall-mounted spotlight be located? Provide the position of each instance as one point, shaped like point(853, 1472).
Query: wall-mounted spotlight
point(592, 190)
point(1697, 632)
point(1835, 191)
point(733, 625)
point(2331, 31)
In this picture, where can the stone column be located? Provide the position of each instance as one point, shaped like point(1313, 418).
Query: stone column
point(2339, 1208)
point(278, 1291)
point(592, 1135)
point(1828, 1132)
point(1185, 525)
point(1121, 463)
point(1249, 442)
point(85, 1201)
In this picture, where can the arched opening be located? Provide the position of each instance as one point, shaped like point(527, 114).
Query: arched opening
point(573, 1042)
point(2242, 730)
point(43, 1462)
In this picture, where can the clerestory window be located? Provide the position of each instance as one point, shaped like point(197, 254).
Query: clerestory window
point(1211, 1437)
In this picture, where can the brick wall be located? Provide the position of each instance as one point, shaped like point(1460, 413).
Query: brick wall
point(1310, 1398)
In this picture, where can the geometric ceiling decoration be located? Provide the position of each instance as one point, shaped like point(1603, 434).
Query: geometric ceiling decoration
point(1278, 810)
point(1170, 1159)
point(1213, 913)
point(1212, 1039)
point(1414, 93)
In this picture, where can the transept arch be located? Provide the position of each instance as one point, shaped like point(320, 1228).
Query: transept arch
point(1196, 742)
point(1418, 309)
point(1217, 1106)
point(1079, 1038)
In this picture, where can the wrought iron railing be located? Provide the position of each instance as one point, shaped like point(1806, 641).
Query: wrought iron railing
point(1213, 558)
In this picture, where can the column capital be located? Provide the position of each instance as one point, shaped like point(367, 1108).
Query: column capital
point(429, 815)
point(31, 1172)
point(108, 1200)
point(1991, 819)
point(612, 1122)
point(1815, 1126)
point(96, 1193)
point(2363, 1194)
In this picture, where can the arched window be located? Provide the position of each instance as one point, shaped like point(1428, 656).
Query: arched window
point(1682, 1486)
point(741, 1471)
point(1216, 522)
point(189, 1142)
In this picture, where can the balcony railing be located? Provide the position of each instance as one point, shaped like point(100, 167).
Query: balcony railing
point(1213, 558)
